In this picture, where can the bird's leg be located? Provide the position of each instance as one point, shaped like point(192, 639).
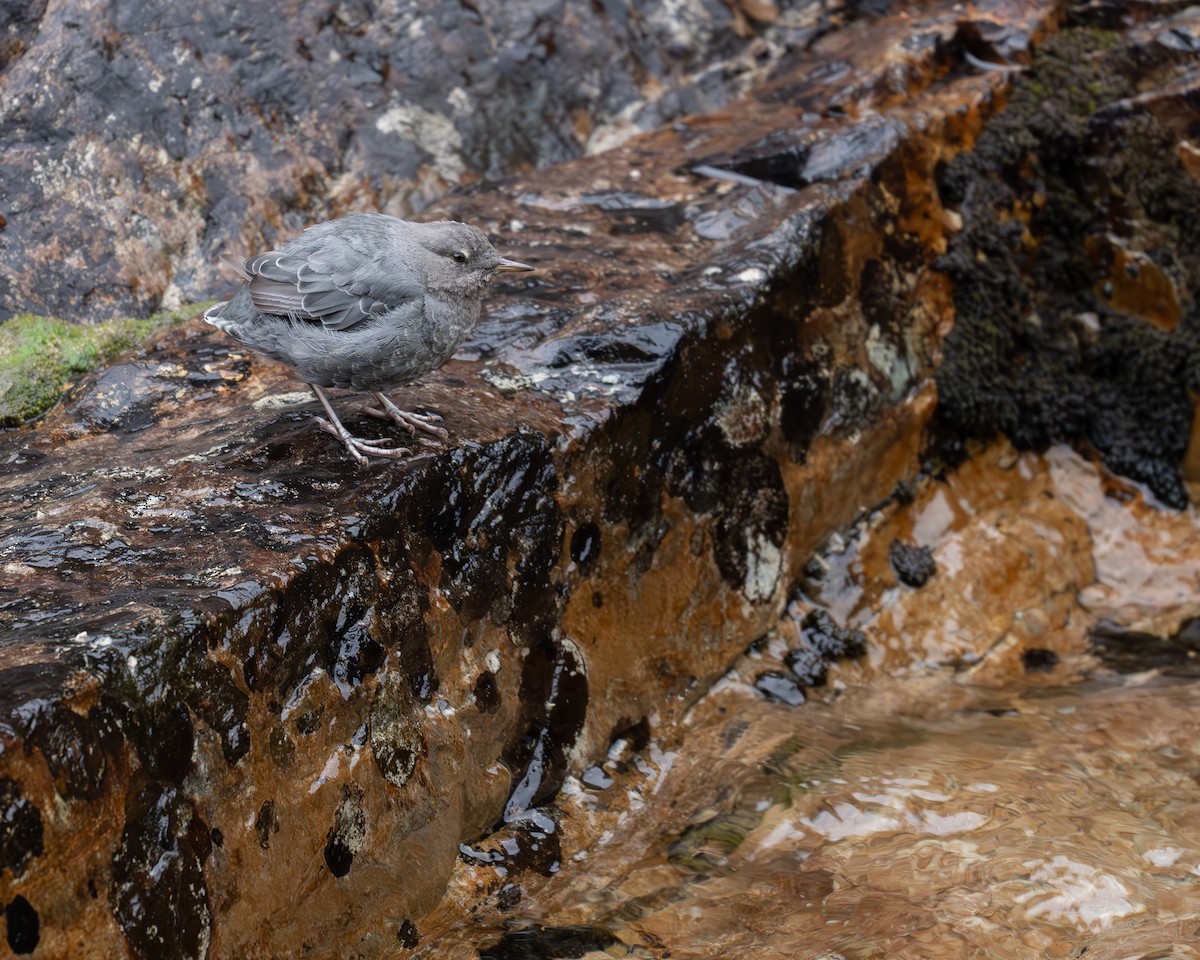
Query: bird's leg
point(412, 422)
point(357, 447)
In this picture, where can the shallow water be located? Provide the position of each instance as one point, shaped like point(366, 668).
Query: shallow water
point(978, 785)
point(1021, 824)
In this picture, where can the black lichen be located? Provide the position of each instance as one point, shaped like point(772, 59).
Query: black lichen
point(348, 833)
point(828, 639)
point(913, 565)
point(23, 926)
point(159, 893)
point(1064, 169)
point(20, 828)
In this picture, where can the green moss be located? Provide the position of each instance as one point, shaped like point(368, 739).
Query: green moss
point(40, 356)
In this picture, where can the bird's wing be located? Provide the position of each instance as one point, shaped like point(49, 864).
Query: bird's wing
point(328, 277)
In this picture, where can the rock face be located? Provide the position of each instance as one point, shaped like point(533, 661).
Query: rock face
point(254, 698)
point(137, 143)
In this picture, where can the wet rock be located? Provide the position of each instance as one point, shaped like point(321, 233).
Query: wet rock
point(159, 893)
point(913, 565)
point(649, 441)
point(125, 397)
point(777, 686)
point(596, 778)
point(554, 699)
point(528, 943)
point(752, 527)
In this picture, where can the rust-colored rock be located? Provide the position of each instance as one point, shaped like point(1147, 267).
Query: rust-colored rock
point(247, 686)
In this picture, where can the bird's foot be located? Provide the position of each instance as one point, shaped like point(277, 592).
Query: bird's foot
point(359, 448)
point(412, 422)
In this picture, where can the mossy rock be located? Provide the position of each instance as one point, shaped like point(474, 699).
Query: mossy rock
point(1039, 351)
point(40, 356)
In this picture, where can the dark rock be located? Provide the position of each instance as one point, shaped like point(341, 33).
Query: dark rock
point(147, 140)
point(159, 893)
point(778, 686)
point(830, 641)
point(1018, 361)
point(913, 565)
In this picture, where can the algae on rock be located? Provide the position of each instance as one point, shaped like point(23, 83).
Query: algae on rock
point(39, 356)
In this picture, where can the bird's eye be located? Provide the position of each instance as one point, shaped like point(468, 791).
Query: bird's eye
point(459, 256)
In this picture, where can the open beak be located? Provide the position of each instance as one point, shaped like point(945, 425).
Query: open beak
point(511, 266)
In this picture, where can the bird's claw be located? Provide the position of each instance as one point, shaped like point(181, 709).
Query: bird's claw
point(359, 448)
point(412, 422)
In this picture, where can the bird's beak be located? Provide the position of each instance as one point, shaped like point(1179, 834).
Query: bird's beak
point(511, 266)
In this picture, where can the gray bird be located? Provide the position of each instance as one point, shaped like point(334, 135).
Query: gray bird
point(367, 302)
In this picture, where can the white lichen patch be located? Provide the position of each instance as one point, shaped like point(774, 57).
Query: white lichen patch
point(887, 359)
point(745, 416)
point(273, 400)
point(764, 567)
point(517, 381)
point(460, 101)
point(432, 132)
point(752, 275)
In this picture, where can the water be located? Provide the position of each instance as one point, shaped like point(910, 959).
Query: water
point(978, 785)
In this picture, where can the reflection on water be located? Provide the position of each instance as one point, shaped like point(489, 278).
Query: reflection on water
point(960, 792)
point(1018, 826)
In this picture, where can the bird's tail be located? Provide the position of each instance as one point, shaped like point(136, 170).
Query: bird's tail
point(214, 315)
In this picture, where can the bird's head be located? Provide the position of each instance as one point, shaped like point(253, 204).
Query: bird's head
point(461, 260)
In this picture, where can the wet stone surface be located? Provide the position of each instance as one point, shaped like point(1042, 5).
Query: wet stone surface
point(231, 654)
point(961, 769)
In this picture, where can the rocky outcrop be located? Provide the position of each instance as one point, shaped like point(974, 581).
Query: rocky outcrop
point(255, 698)
point(139, 142)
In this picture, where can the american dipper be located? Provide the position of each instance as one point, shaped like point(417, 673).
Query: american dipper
point(367, 302)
